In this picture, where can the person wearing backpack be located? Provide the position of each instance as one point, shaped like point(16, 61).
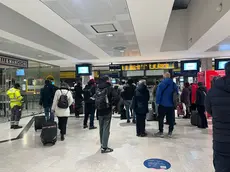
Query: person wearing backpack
point(105, 98)
point(62, 101)
point(200, 99)
point(166, 100)
point(88, 93)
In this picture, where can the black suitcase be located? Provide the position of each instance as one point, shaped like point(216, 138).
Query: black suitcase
point(49, 132)
point(38, 122)
point(123, 114)
point(195, 119)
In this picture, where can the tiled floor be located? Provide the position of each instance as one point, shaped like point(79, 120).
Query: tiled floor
point(190, 150)
point(6, 133)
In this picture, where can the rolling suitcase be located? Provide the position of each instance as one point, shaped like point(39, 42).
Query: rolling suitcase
point(150, 116)
point(195, 119)
point(38, 122)
point(49, 132)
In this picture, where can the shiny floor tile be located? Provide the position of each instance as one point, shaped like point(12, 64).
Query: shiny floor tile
point(190, 150)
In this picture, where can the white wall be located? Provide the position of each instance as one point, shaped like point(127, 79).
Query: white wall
point(176, 35)
point(203, 15)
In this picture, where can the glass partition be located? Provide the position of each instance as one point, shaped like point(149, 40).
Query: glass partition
point(31, 80)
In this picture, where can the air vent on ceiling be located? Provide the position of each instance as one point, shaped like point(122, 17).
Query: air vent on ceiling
point(104, 28)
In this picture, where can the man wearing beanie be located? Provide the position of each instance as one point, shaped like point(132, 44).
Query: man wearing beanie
point(217, 104)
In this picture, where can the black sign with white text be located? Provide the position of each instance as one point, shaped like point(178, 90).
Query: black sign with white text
point(15, 62)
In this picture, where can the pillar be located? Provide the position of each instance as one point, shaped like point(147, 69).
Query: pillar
point(206, 64)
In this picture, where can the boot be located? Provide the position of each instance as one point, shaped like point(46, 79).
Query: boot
point(62, 137)
point(17, 127)
point(12, 126)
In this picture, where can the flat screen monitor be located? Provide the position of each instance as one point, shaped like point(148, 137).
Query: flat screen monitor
point(190, 65)
point(20, 72)
point(83, 70)
point(220, 63)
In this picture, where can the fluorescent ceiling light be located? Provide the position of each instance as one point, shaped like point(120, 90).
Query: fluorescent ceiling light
point(110, 35)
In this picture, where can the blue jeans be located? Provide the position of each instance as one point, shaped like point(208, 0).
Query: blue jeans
point(127, 108)
point(48, 114)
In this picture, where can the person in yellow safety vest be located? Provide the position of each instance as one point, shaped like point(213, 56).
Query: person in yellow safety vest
point(15, 97)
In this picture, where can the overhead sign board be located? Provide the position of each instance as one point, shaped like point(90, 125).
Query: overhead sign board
point(150, 66)
point(15, 62)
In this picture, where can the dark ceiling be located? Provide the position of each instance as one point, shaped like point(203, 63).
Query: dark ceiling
point(181, 4)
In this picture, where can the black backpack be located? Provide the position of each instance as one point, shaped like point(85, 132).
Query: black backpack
point(63, 102)
point(101, 99)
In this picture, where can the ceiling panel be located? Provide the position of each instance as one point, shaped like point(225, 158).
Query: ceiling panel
point(222, 46)
point(22, 50)
point(19, 25)
point(82, 14)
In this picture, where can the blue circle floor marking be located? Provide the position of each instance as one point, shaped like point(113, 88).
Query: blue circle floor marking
point(157, 164)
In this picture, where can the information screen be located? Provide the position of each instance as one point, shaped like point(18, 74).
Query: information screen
point(190, 66)
point(83, 69)
point(20, 72)
point(221, 64)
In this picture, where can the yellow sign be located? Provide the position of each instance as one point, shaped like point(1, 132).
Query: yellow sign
point(148, 66)
point(68, 75)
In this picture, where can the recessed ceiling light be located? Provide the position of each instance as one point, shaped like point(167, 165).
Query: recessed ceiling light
point(110, 35)
point(39, 55)
point(120, 48)
point(122, 51)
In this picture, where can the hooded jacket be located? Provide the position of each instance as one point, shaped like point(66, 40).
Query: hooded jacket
point(165, 93)
point(201, 93)
point(217, 104)
point(112, 96)
point(141, 98)
point(47, 95)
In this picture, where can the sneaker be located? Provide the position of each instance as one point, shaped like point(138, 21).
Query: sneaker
point(17, 127)
point(85, 126)
point(91, 128)
point(170, 134)
point(134, 121)
point(159, 134)
point(12, 126)
point(128, 121)
point(62, 137)
point(144, 135)
point(138, 135)
point(106, 150)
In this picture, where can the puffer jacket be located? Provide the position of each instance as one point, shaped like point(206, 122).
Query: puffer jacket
point(58, 111)
point(140, 100)
point(217, 104)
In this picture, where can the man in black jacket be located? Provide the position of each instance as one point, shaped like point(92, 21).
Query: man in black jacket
point(140, 106)
point(105, 98)
point(200, 98)
point(89, 92)
point(127, 96)
point(46, 98)
point(217, 104)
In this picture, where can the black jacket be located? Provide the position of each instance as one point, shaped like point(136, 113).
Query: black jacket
point(201, 93)
point(47, 95)
point(89, 92)
point(185, 96)
point(128, 92)
point(140, 100)
point(112, 96)
point(78, 92)
point(217, 104)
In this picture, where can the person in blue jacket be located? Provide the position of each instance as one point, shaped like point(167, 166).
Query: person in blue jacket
point(164, 100)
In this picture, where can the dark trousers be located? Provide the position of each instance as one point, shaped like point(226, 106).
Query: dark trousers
point(170, 116)
point(201, 111)
point(62, 122)
point(48, 114)
point(221, 162)
point(140, 123)
point(89, 111)
point(16, 115)
point(104, 124)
